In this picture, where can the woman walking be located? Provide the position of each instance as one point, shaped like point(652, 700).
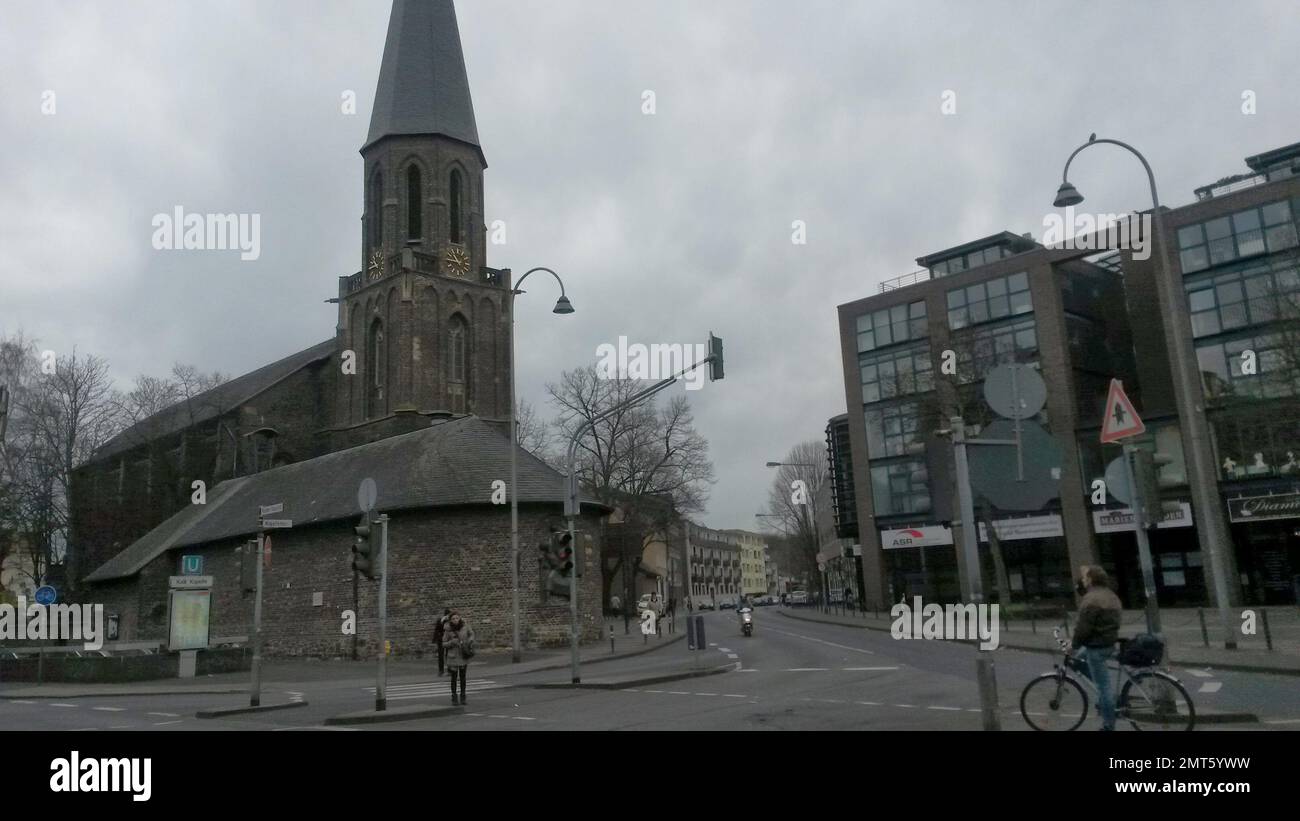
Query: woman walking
point(458, 641)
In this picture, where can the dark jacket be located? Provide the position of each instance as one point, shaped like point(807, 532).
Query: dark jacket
point(1098, 624)
point(438, 630)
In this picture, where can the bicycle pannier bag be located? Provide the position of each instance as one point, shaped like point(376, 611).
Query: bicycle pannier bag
point(1143, 650)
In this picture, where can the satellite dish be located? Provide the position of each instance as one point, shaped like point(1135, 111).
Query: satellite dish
point(1015, 391)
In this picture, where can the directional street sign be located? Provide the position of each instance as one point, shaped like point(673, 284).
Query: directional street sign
point(1121, 420)
point(190, 582)
point(270, 524)
point(269, 510)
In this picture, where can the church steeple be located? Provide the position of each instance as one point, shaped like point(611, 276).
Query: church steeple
point(423, 87)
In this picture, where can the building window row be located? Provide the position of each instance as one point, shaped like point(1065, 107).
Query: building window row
point(1264, 229)
point(890, 326)
point(974, 259)
point(1248, 448)
point(1275, 362)
point(892, 429)
point(981, 349)
point(987, 301)
point(896, 372)
point(1266, 291)
point(900, 487)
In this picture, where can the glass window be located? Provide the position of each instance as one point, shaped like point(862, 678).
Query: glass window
point(900, 487)
point(1245, 233)
point(982, 302)
point(890, 326)
point(1218, 229)
point(1194, 259)
point(896, 372)
point(1190, 235)
point(1276, 213)
point(1201, 300)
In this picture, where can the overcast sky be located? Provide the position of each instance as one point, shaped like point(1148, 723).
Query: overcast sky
point(664, 226)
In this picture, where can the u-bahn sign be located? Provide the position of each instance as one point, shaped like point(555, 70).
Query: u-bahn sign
point(1258, 508)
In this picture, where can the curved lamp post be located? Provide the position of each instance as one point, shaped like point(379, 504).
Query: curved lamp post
point(1212, 530)
point(562, 306)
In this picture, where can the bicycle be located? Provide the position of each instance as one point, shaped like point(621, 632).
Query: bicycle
point(1149, 699)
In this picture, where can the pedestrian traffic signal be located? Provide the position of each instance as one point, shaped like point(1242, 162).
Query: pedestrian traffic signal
point(365, 546)
point(1146, 475)
point(715, 358)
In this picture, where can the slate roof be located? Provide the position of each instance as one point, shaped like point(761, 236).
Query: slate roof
point(452, 462)
point(213, 403)
point(423, 87)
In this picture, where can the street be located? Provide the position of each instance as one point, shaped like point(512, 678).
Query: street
point(792, 674)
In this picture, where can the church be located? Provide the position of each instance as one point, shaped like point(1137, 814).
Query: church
point(412, 391)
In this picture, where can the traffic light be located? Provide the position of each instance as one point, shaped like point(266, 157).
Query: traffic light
point(1146, 476)
point(715, 358)
point(365, 547)
point(558, 555)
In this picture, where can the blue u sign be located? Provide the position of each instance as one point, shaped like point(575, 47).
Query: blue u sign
point(191, 565)
point(46, 595)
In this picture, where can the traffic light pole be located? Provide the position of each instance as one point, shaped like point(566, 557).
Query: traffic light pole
point(381, 696)
point(1143, 543)
point(255, 695)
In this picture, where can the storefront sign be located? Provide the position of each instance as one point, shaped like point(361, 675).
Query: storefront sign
point(1257, 508)
point(1030, 527)
point(1121, 520)
point(915, 537)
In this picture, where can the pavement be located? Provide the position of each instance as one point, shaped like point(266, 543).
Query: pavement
point(1181, 628)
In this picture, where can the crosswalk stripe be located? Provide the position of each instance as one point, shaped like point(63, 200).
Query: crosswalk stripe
point(1199, 673)
point(1211, 687)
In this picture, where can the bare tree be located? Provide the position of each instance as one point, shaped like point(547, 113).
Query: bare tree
point(535, 434)
point(792, 500)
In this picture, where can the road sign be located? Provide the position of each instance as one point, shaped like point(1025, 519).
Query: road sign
point(271, 524)
point(268, 510)
point(993, 469)
point(190, 582)
point(46, 594)
point(1015, 391)
point(822, 567)
point(1121, 420)
point(191, 565)
point(367, 493)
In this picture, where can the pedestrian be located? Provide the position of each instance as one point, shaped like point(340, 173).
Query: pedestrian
point(458, 639)
point(1096, 633)
point(616, 605)
point(438, 630)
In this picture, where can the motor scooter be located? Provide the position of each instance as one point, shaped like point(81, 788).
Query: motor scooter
point(747, 622)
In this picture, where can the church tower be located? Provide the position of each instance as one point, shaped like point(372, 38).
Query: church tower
point(426, 320)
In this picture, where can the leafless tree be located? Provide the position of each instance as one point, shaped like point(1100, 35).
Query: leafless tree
point(792, 500)
point(535, 434)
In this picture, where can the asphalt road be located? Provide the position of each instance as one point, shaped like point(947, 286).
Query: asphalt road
point(790, 675)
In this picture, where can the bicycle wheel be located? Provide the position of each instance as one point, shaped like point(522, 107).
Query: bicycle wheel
point(1053, 702)
point(1152, 700)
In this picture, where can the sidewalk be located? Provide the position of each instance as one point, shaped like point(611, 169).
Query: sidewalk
point(277, 672)
point(1181, 628)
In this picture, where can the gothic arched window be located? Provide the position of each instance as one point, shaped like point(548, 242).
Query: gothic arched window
point(454, 207)
point(414, 209)
point(457, 342)
point(376, 368)
point(376, 210)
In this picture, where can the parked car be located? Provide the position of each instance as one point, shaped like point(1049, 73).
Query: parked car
point(797, 597)
point(704, 605)
point(727, 605)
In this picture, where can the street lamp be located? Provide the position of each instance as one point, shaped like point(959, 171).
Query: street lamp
point(562, 306)
point(1212, 530)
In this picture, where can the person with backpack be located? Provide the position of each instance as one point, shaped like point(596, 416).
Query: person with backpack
point(458, 639)
point(438, 629)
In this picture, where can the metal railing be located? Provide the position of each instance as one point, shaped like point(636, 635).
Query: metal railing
point(905, 280)
point(1228, 185)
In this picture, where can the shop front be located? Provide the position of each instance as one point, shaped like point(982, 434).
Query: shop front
point(1266, 531)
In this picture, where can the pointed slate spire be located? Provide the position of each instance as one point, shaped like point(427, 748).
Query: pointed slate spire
point(423, 87)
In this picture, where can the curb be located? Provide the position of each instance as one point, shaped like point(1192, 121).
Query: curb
point(1233, 666)
point(399, 714)
point(621, 685)
point(616, 657)
point(221, 712)
point(150, 693)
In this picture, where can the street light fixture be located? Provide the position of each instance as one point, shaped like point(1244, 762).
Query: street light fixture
point(562, 306)
point(1212, 530)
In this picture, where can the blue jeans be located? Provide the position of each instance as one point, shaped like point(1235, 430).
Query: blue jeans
point(1096, 658)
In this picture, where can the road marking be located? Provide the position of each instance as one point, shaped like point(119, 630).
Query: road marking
point(678, 693)
point(713, 644)
point(18, 701)
point(724, 649)
point(165, 723)
point(316, 727)
point(732, 656)
point(63, 705)
point(426, 689)
point(973, 710)
point(706, 694)
point(1283, 721)
point(1211, 687)
point(632, 690)
point(523, 718)
point(1199, 673)
point(823, 641)
point(733, 695)
point(120, 727)
point(913, 706)
point(806, 669)
point(165, 715)
point(865, 669)
point(109, 709)
point(654, 691)
point(869, 703)
point(954, 709)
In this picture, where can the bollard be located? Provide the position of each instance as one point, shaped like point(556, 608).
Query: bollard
point(988, 689)
point(611, 639)
point(1205, 635)
point(1268, 637)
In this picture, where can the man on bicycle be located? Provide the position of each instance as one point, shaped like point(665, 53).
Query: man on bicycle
point(1096, 633)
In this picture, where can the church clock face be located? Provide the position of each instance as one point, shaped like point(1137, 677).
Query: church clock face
point(376, 265)
point(457, 261)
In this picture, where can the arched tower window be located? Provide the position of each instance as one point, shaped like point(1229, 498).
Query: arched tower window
point(376, 368)
point(414, 209)
point(376, 210)
point(457, 343)
point(454, 209)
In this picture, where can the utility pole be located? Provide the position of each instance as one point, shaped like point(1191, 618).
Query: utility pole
point(255, 696)
point(381, 696)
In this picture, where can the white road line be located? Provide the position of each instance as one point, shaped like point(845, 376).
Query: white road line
point(713, 644)
point(523, 718)
point(83, 730)
point(806, 669)
point(63, 705)
point(678, 693)
point(165, 715)
point(973, 710)
point(913, 706)
point(110, 709)
point(1198, 673)
point(823, 641)
point(724, 649)
point(1211, 687)
point(733, 695)
point(747, 670)
point(706, 694)
point(869, 703)
point(732, 656)
point(18, 701)
point(1283, 721)
point(953, 709)
point(865, 669)
point(165, 723)
point(632, 690)
point(654, 691)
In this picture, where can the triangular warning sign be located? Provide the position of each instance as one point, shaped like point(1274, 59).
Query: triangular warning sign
point(1121, 420)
